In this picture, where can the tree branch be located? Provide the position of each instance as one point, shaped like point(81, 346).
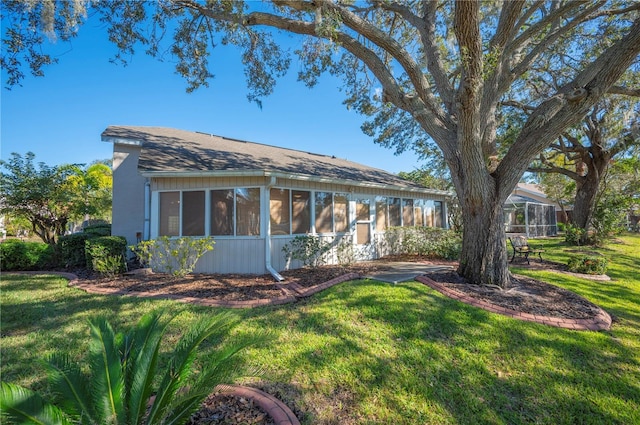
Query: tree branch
point(427, 30)
point(558, 113)
point(397, 51)
point(634, 92)
point(543, 45)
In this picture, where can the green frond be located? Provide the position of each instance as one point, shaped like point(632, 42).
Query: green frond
point(142, 364)
point(180, 411)
point(224, 365)
point(179, 367)
point(72, 387)
point(106, 367)
point(20, 405)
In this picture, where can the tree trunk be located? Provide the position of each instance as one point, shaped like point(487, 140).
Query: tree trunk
point(484, 257)
point(588, 187)
point(585, 202)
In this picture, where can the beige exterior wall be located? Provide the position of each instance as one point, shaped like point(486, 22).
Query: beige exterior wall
point(128, 196)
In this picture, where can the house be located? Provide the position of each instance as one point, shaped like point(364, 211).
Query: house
point(255, 198)
point(528, 211)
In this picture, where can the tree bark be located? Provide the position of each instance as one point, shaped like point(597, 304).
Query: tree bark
point(484, 258)
point(587, 188)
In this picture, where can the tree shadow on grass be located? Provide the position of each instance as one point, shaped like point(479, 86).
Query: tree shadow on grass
point(41, 315)
point(420, 357)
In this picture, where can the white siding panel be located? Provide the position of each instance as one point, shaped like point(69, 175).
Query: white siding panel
point(234, 256)
point(280, 263)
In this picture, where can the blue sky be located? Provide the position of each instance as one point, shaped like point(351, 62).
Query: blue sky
point(60, 116)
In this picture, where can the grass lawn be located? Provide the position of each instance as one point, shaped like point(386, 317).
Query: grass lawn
point(366, 352)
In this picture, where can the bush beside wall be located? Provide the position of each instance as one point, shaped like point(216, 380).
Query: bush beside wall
point(430, 242)
point(106, 254)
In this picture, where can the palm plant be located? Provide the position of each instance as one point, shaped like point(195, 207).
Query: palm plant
point(119, 389)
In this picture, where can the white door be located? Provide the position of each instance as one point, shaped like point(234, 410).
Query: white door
point(364, 222)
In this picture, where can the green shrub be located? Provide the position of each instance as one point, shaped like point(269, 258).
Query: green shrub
point(573, 235)
point(125, 383)
point(430, 242)
point(561, 226)
point(103, 229)
point(177, 257)
point(308, 249)
point(72, 249)
point(609, 218)
point(587, 264)
point(345, 253)
point(106, 254)
point(19, 255)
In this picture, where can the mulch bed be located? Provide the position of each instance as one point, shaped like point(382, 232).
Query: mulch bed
point(224, 409)
point(525, 295)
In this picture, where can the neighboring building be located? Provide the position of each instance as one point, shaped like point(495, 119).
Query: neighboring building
point(529, 212)
point(254, 198)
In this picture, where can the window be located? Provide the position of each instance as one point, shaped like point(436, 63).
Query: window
point(324, 212)
point(193, 213)
point(182, 214)
point(407, 212)
point(418, 215)
point(428, 212)
point(301, 209)
point(438, 214)
point(394, 212)
point(381, 214)
point(247, 212)
point(279, 212)
point(222, 212)
point(363, 222)
point(232, 212)
point(169, 213)
point(283, 205)
point(332, 212)
point(341, 212)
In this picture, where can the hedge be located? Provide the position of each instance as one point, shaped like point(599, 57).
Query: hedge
point(18, 255)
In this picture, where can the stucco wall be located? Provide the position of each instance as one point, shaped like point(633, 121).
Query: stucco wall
point(128, 198)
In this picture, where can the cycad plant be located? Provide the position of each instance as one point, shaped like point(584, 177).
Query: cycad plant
point(124, 384)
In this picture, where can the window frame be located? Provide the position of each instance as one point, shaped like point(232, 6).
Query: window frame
point(208, 212)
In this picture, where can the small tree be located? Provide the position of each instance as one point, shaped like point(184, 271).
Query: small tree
point(42, 195)
point(91, 188)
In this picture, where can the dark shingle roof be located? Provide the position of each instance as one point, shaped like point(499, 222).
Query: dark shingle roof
point(169, 150)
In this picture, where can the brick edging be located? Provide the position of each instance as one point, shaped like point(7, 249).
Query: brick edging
point(279, 412)
point(602, 320)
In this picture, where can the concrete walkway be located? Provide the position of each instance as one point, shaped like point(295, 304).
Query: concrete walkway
point(405, 271)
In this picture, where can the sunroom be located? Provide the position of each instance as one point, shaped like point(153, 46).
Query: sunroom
point(253, 199)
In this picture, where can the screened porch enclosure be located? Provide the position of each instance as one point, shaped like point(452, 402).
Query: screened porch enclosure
point(529, 218)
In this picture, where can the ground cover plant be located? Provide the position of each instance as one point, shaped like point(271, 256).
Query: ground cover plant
point(365, 352)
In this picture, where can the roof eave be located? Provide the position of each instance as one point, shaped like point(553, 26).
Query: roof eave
point(291, 176)
point(121, 141)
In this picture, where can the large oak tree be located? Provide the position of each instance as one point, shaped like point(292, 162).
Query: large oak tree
point(426, 72)
point(608, 131)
